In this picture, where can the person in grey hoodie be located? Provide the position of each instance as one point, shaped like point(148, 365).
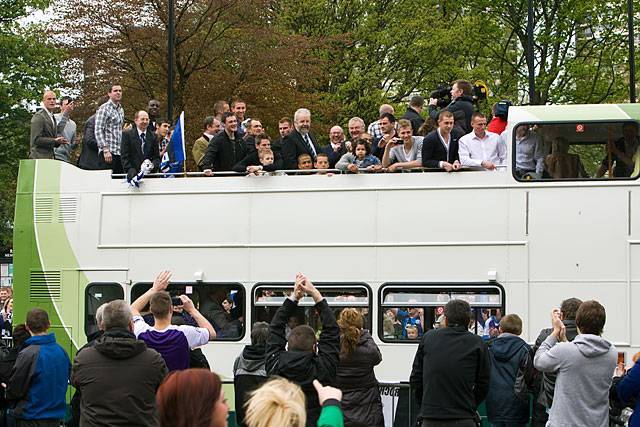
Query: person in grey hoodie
point(585, 368)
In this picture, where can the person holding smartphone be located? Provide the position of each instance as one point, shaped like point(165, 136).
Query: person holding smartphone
point(173, 342)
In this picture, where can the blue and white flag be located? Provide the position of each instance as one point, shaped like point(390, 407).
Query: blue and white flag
point(177, 141)
point(173, 159)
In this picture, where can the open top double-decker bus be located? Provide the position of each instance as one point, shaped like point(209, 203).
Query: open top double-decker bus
point(391, 245)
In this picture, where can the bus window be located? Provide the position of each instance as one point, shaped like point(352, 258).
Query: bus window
point(573, 151)
point(267, 298)
point(97, 294)
point(222, 304)
point(407, 311)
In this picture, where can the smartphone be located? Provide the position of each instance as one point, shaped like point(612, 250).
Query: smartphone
point(621, 358)
point(176, 301)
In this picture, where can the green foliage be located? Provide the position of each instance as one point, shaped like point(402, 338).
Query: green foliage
point(29, 65)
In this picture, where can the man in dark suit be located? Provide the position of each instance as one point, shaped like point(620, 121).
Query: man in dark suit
point(45, 129)
point(285, 126)
point(440, 146)
point(89, 158)
point(299, 141)
point(226, 149)
point(336, 147)
point(139, 144)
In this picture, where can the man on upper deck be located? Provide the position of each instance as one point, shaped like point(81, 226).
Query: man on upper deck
point(481, 148)
point(108, 130)
point(440, 146)
point(461, 105)
point(226, 149)
point(139, 144)
point(46, 131)
point(300, 140)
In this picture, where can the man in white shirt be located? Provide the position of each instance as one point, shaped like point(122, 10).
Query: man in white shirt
point(481, 148)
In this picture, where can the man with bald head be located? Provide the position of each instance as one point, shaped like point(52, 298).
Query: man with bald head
point(139, 144)
point(46, 130)
point(300, 140)
point(336, 147)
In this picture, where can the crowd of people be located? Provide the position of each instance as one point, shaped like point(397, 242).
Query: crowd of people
point(139, 370)
point(426, 136)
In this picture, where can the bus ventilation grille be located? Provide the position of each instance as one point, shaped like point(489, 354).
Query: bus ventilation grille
point(45, 285)
point(48, 211)
point(68, 209)
point(44, 209)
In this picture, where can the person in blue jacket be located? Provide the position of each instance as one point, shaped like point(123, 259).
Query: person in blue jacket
point(39, 380)
point(628, 390)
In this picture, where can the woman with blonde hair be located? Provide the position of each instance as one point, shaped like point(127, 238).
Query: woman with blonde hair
point(361, 403)
point(281, 403)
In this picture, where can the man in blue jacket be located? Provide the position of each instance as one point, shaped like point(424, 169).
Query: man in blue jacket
point(511, 375)
point(629, 392)
point(39, 380)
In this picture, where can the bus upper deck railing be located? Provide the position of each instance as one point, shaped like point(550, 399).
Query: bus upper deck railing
point(287, 172)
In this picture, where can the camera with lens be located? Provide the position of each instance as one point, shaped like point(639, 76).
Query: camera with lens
point(443, 95)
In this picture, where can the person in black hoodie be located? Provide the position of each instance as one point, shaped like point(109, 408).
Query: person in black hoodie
point(547, 381)
point(451, 370)
point(511, 375)
point(118, 376)
point(74, 420)
point(359, 354)
point(461, 106)
point(249, 372)
point(305, 359)
point(8, 357)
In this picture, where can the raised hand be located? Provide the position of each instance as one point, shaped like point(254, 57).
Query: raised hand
point(162, 281)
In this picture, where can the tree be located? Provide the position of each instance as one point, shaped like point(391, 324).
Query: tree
point(579, 48)
point(223, 49)
point(384, 51)
point(29, 65)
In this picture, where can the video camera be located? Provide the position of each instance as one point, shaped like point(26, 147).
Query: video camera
point(443, 95)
